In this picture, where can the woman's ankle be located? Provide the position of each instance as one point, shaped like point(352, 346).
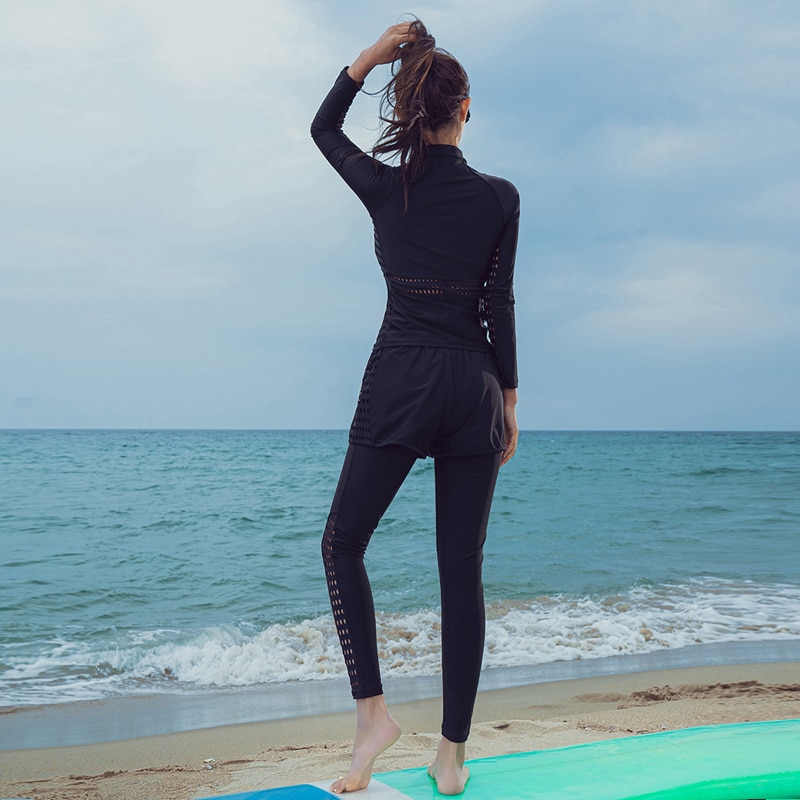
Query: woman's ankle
point(451, 749)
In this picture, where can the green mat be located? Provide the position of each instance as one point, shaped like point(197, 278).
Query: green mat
point(748, 761)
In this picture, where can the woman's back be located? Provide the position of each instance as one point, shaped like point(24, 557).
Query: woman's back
point(447, 250)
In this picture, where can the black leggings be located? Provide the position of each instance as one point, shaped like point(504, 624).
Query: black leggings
point(369, 481)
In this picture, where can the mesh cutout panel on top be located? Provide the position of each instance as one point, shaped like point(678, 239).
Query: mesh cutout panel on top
point(485, 306)
point(435, 286)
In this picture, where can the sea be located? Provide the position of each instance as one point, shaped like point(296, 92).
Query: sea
point(182, 568)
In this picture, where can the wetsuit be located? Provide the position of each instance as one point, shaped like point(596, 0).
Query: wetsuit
point(432, 386)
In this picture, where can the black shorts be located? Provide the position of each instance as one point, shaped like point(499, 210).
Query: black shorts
point(433, 400)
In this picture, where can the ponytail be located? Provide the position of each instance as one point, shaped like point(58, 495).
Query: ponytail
point(423, 96)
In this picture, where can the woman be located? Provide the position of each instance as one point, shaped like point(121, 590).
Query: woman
point(441, 380)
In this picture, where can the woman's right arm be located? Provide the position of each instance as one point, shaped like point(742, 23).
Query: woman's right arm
point(326, 129)
point(368, 178)
point(364, 175)
point(357, 169)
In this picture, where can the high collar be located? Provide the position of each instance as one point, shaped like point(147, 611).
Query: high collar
point(446, 150)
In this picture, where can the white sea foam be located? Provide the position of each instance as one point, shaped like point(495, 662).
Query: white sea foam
point(542, 630)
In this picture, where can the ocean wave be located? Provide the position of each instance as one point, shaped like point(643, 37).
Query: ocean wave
point(541, 630)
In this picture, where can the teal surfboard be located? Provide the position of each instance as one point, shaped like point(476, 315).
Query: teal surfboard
point(747, 761)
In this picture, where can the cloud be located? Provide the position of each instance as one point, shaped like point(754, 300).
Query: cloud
point(208, 46)
point(65, 31)
point(673, 297)
point(727, 144)
point(777, 204)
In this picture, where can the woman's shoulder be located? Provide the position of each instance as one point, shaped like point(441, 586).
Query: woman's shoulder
point(505, 191)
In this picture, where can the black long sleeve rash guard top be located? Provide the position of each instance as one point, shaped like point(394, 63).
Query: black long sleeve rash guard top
point(448, 260)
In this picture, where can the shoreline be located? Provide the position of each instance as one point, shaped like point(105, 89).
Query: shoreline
point(249, 756)
point(135, 716)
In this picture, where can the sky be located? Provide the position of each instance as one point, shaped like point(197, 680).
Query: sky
point(175, 253)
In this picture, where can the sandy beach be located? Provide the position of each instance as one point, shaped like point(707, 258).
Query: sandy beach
point(246, 757)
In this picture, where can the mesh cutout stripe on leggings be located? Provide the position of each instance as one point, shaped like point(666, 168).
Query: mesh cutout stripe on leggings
point(342, 628)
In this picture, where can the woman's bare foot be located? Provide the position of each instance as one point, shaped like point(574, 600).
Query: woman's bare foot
point(376, 731)
point(448, 768)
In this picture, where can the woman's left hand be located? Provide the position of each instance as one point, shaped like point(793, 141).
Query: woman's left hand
point(511, 428)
